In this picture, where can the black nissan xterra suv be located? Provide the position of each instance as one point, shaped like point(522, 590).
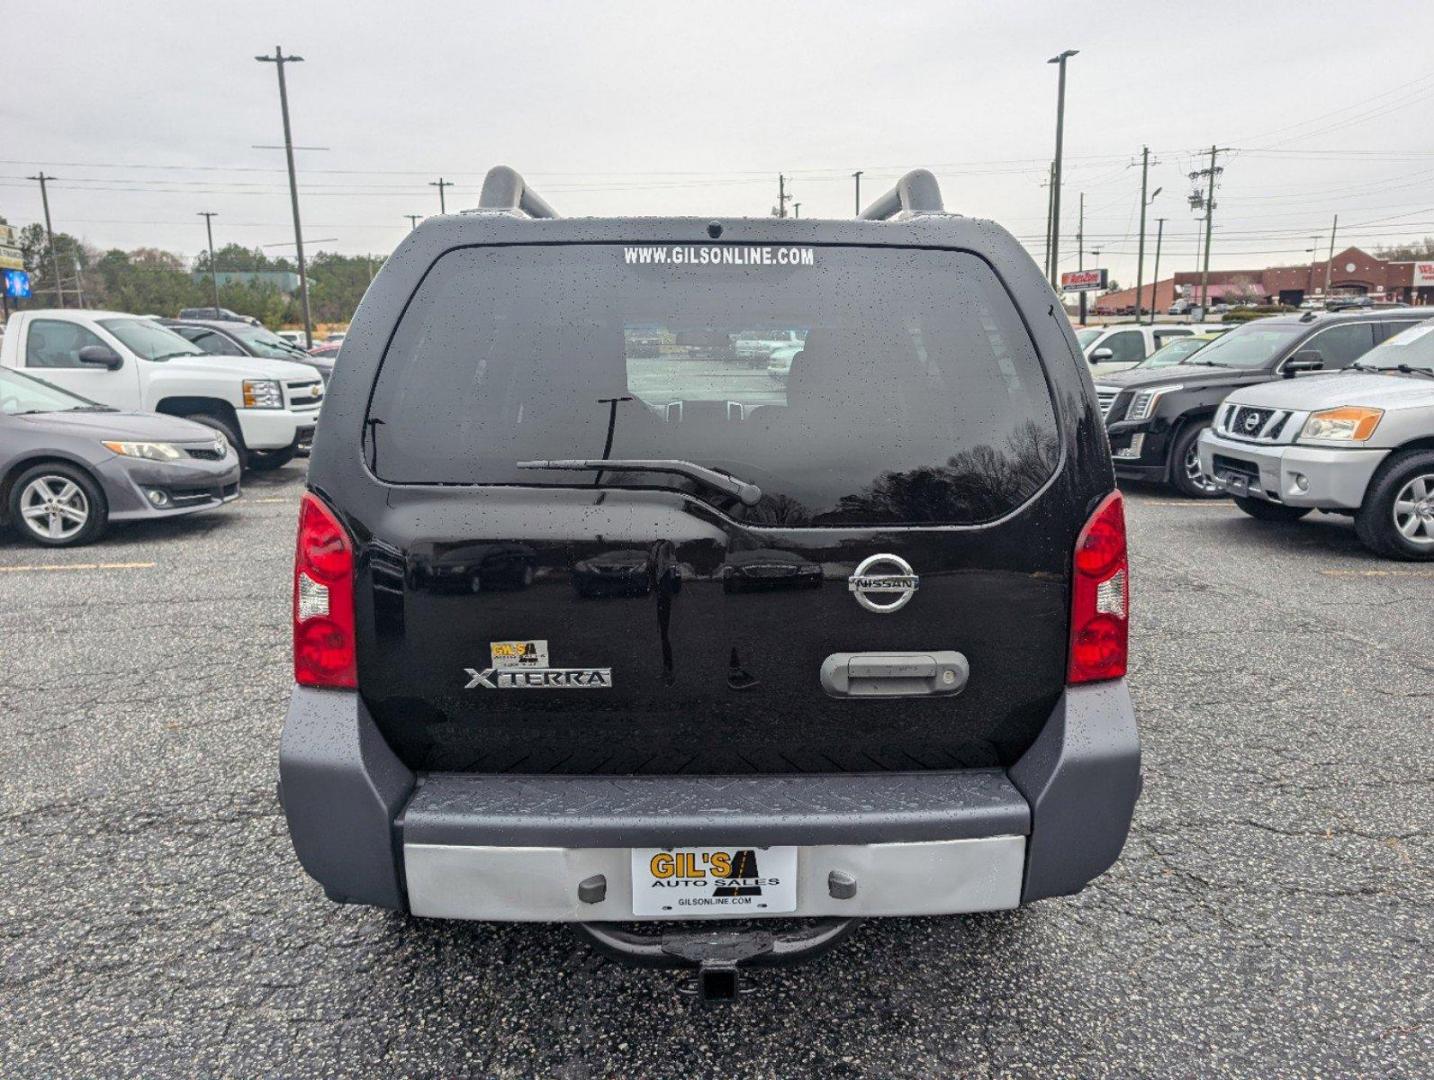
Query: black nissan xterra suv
point(598, 621)
point(1155, 416)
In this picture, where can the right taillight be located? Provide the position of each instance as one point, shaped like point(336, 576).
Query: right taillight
point(323, 599)
point(1100, 597)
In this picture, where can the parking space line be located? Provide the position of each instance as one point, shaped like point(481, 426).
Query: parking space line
point(1378, 573)
point(271, 498)
point(38, 568)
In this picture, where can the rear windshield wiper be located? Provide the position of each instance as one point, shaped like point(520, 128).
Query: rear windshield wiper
point(747, 494)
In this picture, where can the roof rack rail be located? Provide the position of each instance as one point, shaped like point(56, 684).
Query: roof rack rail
point(504, 189)
point(915, 193)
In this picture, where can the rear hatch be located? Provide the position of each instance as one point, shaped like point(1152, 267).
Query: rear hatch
point(523, 609)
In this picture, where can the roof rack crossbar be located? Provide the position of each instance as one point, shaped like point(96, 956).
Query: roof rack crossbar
point(505, 189)
point(915, 193)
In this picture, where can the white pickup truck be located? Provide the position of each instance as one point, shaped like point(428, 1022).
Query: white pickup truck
point(266, 408)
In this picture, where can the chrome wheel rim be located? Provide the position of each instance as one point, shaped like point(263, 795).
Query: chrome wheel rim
point(1193, 472)
point(54, 507)
point(1414, 511)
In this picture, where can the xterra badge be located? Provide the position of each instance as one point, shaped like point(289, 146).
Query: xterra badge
point(870, 580)
point(545, 678)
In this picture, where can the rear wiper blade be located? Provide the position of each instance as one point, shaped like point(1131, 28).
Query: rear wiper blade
point(747, 494)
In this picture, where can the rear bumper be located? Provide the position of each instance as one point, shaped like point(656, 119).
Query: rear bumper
point(515, 848)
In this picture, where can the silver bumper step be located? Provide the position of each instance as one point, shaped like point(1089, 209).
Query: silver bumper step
point(542, 884)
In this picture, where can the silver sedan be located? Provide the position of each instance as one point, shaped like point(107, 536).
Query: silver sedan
point(68, 466)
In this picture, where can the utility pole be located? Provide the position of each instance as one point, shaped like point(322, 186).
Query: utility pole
point(279, 60)
point(1155, 277)
point(1140, 249)
point(1056, 165)
point(50, 236)
point(1314, 257)
point(796, 209)
point(413, 220)
point(440, 184)
point(209, 216)
point(1080, 252)
point(857, 177)
point(782, 196)
point(1328, 266)
point(1212, 174)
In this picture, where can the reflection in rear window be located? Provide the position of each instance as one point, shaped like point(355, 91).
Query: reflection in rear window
point(867, 386)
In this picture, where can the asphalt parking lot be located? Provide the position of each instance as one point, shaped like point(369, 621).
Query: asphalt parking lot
point(1271, 915)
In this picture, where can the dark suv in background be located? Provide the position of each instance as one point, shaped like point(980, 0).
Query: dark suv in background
point(1155, 416)
point(847, 645)
point(223, 338)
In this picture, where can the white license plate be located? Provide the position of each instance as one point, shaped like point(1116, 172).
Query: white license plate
point(692, 881)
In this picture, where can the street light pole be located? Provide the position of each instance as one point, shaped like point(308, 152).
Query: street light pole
point(1330, 263)
point(1155, 277)
point(279, 60)
point(50, 237)
point(209, 216)
point(857, 177)
point(1140, 257)
point(1056, 167)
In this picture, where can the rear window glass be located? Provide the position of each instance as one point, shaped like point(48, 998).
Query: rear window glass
point(853, 386)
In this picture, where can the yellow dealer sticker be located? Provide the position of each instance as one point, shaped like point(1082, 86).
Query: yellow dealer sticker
point(511, 654)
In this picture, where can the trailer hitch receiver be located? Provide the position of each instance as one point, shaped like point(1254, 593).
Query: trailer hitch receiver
point(717, 952)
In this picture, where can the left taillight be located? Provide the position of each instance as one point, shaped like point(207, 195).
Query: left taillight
point(323, 599)
point(1100, 597)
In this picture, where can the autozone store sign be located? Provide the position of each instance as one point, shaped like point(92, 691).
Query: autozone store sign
point(1082, 280)
point(1424, 273)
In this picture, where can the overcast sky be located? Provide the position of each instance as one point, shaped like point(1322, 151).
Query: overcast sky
point(149, 112)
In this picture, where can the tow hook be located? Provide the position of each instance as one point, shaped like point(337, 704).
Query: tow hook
point(718, 953)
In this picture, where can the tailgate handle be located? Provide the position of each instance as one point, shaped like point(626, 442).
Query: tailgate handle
point(895, 674)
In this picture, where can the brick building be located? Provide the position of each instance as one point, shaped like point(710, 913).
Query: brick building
point(1353, 271)
point(1122, 301)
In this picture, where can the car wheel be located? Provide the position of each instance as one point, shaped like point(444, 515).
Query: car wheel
point(1397, 517)
point(1268, 511)
point(58, 505)
point(269, 460)
point(224, 428)
point(1185, 473)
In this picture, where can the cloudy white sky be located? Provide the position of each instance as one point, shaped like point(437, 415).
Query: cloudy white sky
point(149, 112)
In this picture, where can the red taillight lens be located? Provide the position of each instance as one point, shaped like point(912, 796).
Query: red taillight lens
point(323, 599)
point(1100, 597)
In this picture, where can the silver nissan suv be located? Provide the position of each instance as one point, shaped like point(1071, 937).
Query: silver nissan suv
point(1359, 441)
